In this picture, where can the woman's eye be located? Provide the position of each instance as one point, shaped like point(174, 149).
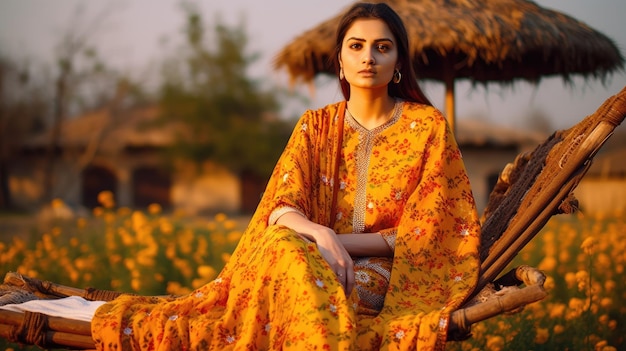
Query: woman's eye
point(355, 46)
point(383, 47)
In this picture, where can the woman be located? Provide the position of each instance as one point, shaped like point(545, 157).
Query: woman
point(366, 236)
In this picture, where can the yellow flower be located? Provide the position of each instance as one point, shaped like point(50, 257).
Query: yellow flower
point(129, 263)
point(135, 284)
point(557, 310)
point(80, 263)
point(234, 236)
point(183, 266)
point(549, 284)
point(564, 256)
point(609, 285)
point(600, 345)
point(116, 284)
point(154, 209)
point(589, 245)
point(612, 324)
point(57, 203)
point(558, 329)
point(114, 259)
point(230, 224)
point(225, 257)
point(220, 217)
point(174, 288)
point(541, 335)
point(170, 251)
point(74, 275)
point(582, 279)
point(606, 302)
point(603, 261)
point(603, 319)
point(166, 227)
point(124, 211)
point(206, 271)
point(198, 282)
point(547, 264)
point(576, 303)
point(146, 260)
point(495, 343)
point(570, 279)
point(106, 199)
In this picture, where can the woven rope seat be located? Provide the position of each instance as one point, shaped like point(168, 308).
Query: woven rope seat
point(529, 191)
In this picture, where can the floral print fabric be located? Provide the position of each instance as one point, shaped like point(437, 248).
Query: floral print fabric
point(277, 292)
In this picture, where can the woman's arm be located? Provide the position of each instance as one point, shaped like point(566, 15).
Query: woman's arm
point(366, 244)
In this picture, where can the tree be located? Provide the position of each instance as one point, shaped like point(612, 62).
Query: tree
point(76, 80)
point(226, 116)
point(82, 82)
point(22, 110)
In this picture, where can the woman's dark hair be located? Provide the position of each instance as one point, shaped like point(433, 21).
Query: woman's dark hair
point(407, 89)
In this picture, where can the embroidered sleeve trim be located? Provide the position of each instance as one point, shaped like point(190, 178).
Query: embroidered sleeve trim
point(279, 212)
point(390, 237)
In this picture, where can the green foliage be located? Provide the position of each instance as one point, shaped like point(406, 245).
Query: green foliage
point(221, 114)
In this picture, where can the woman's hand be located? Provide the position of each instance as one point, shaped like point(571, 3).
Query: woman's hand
point(328, 243)
point(336, 255)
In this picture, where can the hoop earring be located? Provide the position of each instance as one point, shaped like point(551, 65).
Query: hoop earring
point(397, 76)
point(341, 76)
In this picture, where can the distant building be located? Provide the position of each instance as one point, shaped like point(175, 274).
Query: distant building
point(603, 189)
point(122, 153)
point(487, 148)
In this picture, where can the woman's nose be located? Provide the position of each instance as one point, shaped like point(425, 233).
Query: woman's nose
point(369, 58)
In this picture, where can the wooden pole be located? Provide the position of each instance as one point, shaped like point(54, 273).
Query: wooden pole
point(449, 100)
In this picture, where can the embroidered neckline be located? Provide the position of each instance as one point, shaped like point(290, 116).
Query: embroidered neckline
point(397, 112)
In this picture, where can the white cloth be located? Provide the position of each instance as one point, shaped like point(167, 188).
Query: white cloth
point(73, 307)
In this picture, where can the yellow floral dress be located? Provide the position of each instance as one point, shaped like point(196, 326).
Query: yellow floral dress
point(404, 179)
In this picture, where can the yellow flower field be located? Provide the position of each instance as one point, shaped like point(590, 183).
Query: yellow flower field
point(150, 253)
point(584, 259)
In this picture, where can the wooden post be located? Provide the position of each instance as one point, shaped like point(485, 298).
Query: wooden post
point(449, 101)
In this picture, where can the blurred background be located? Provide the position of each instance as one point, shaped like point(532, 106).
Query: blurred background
point(121, 96)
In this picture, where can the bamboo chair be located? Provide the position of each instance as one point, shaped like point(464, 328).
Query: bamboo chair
point(529, 192)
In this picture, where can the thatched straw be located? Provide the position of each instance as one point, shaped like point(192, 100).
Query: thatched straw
point(482, 40)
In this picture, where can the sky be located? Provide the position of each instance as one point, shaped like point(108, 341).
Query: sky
point(134, 32)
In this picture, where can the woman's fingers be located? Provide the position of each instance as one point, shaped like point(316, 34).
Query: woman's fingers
point(345, 274)
point(338, 258)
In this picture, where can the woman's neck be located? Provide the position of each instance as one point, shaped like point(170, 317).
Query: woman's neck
point(371, 111)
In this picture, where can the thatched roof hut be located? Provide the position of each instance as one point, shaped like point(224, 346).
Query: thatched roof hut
point(480, 40)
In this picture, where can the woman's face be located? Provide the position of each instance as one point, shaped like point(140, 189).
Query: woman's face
point(369, 54)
